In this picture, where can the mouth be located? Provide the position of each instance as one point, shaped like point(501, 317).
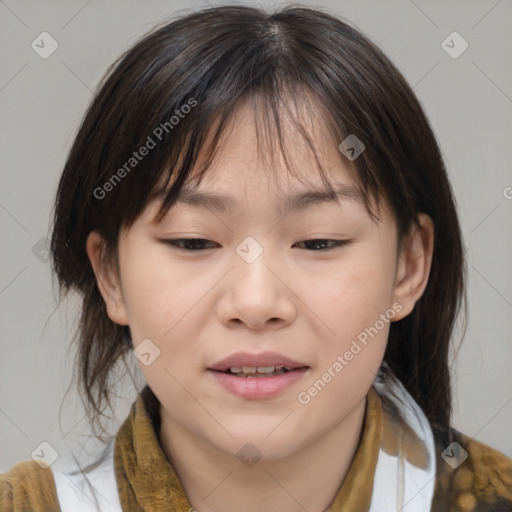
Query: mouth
point(257, 376)
point(245, 364)
point(251, 372)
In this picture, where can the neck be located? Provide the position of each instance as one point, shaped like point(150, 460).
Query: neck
point(307, 479)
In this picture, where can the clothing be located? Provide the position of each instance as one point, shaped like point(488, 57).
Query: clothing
point(398, 462)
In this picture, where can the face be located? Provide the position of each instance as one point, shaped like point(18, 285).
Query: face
point(316, 287)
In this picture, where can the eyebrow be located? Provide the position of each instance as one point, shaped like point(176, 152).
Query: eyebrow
point(295, 202)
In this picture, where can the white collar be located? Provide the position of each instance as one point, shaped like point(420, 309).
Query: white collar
point(398, 484)
point(75, 494)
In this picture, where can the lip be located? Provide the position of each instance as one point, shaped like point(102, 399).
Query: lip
point(258, 387)
point(261, 359)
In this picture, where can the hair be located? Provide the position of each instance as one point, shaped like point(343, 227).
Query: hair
point(215, 60)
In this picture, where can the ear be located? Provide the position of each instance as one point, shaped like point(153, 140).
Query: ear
point(414, 264)
point(106, 278)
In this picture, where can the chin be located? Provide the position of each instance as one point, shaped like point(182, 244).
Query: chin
point(256, 445)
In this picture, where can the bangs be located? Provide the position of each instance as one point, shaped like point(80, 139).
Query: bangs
point(278, 71)
point(279, 118)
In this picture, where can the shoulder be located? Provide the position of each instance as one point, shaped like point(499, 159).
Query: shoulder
point(28, 486)
point(471, 475)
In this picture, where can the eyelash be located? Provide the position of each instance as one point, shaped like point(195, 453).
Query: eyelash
point(337, 243)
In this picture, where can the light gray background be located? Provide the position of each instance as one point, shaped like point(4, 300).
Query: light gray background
point(468, 101)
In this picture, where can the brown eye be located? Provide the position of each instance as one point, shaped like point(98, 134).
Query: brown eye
point(189, 244)
point(320, 244)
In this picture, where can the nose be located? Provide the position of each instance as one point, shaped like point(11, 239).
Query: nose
point(257, 294)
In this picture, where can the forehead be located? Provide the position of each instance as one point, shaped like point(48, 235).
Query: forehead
point(201, 197)
point(301, 169)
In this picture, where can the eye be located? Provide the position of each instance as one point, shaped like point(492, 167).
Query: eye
point(189, 244)
point(321, 243)
point(198, 244)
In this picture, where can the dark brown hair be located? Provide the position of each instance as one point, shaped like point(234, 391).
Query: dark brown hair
point(213, 60)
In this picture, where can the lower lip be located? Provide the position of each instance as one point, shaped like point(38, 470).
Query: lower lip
point(258, 387)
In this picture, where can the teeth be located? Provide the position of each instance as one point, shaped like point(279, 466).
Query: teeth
point(253, 370)
point(266, 369)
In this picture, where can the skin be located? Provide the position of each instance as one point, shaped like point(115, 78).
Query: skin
point(295, 299)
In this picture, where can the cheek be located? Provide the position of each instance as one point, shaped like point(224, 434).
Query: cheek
point(165, 305)
point(354, 303)
point(153, 292)
point(358, 290)
point(355, 351)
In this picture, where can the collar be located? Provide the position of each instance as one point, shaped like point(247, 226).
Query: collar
point(393, 468)
point(147, 481)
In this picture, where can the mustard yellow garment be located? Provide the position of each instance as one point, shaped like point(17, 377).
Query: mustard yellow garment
point(146, 480)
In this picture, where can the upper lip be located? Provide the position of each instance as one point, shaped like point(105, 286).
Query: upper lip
point(264, 359)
